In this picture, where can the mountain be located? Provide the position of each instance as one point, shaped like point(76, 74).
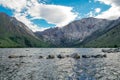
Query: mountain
point(109, 39)
point(14, 33)
point(78, 33)
point(87, 32)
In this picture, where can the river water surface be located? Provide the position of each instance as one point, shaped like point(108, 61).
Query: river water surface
point(31, 67)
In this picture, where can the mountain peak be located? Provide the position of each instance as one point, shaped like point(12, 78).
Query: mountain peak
point(76, 31)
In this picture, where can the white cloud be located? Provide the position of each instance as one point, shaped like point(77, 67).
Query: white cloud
point(110, 2)
point(93, 13)
point(97, 10)
point(55, 14)
point(113, 12)
point(32, 26)
point(14, 4)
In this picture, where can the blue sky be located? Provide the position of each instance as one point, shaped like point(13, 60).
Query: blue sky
point(42, 14)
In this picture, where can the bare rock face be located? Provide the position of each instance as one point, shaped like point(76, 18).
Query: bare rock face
point(76, 31)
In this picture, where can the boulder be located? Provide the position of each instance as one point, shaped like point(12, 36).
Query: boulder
point(75, 56)
point(86, 56)
point(95, 56)
point(40, 57)
point(60, 56)
point(111, 50)
point(50, 57)
point(99, 56)
point(67, 56)
point(13, 56)
point(21, 56)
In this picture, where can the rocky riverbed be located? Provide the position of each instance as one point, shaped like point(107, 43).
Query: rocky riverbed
point(58, 64)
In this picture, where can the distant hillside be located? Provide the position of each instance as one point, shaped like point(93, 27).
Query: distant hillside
point(14, 33)
point(109, 39)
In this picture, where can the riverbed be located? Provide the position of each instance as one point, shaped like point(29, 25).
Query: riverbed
point(31, 67)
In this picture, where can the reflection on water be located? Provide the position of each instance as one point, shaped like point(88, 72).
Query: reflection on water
point(33, 68)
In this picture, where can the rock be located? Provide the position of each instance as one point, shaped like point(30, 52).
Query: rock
point(21, 56)
point(60, 56)
point(105, 55)
point(85, 56)
point(111, 50)
point(75, 56)
point(107, 51)
point(117, 50)
point(99, 56)
point(22, 62)
point(13, 56)
point(18, 65)
point(50, 57)
point(67, 56)
point(94, 56)
point(40, 57)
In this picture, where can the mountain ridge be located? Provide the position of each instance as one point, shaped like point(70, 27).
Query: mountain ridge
point(14, 33)
point(87, 32)
point(77, 31)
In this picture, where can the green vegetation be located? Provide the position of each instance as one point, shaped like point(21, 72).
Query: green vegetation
point(15, 34)
point(24, 41)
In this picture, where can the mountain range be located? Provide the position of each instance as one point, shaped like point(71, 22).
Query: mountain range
point(14, 33)
point(87, 32)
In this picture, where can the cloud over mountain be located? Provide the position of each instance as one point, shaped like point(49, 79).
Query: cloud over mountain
point(55, 14)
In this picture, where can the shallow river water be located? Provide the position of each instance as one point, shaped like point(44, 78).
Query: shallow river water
point(31, 67)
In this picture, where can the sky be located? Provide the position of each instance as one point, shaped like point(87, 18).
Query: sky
point(39, 15)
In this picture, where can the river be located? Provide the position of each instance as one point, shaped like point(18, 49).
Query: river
point(31, 67)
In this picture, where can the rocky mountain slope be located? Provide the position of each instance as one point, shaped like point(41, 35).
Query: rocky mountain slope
point(78, 32)
point(14, 33)
point(109, 39)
